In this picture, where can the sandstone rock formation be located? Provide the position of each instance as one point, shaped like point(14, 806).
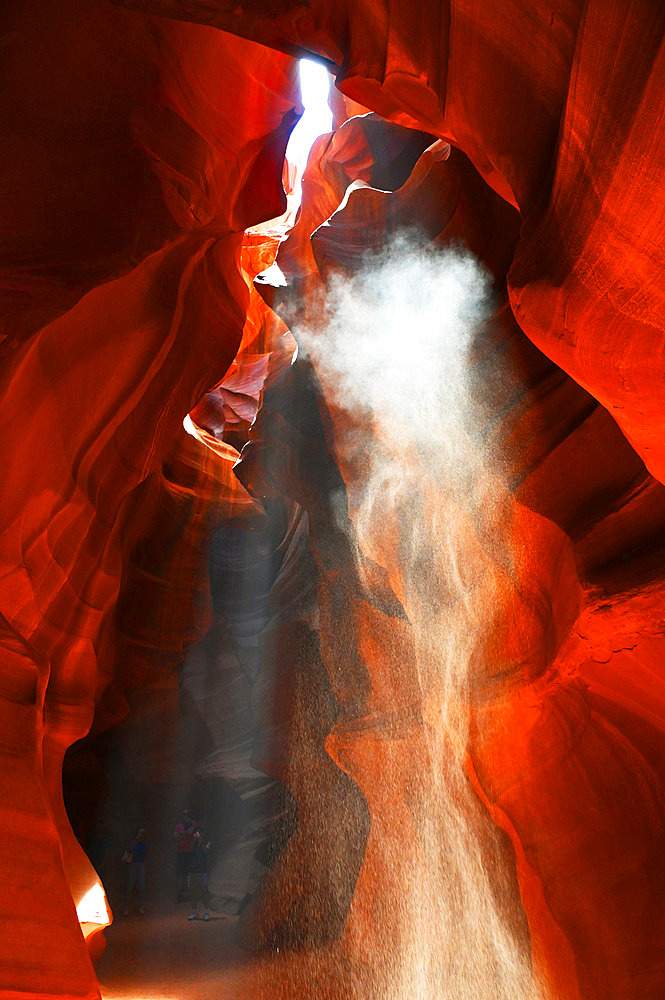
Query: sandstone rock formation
point(523, 540)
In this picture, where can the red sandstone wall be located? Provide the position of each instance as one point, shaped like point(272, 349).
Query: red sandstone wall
point(131, 175)
point(543, 737)
point(123, 301)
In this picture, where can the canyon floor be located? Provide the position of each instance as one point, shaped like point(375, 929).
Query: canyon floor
point(160, 955)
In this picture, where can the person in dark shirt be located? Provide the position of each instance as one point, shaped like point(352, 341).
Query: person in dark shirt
point(136, 871)
point(183, 835)
point(198, 877)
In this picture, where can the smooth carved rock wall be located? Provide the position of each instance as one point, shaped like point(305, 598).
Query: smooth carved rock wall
point(543, 732)
point(557, 112)
point(124, 299)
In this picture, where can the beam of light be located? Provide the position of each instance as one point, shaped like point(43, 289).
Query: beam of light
point(394, 352)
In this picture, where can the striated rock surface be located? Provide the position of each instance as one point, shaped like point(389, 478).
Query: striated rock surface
point(455, 648)
point(529, 95)
point(123, 302)
point(543, 712)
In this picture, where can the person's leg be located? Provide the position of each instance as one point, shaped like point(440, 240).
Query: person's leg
point(140, 883)
point(181, 876)
point(129, 885)
point(206, 896)
point(193, 896)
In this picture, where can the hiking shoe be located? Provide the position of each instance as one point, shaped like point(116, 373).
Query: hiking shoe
point(193, 915)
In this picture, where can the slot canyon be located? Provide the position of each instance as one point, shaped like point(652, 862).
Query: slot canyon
point(332, 498)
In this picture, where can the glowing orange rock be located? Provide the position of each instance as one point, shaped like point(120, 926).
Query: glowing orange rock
point(534, 718)
point(462, 82)
point(116, 324)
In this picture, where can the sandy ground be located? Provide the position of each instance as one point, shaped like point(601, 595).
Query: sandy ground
point(162, 955)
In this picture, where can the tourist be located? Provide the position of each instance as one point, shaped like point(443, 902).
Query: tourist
point(197, 879)
point(184, 837)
